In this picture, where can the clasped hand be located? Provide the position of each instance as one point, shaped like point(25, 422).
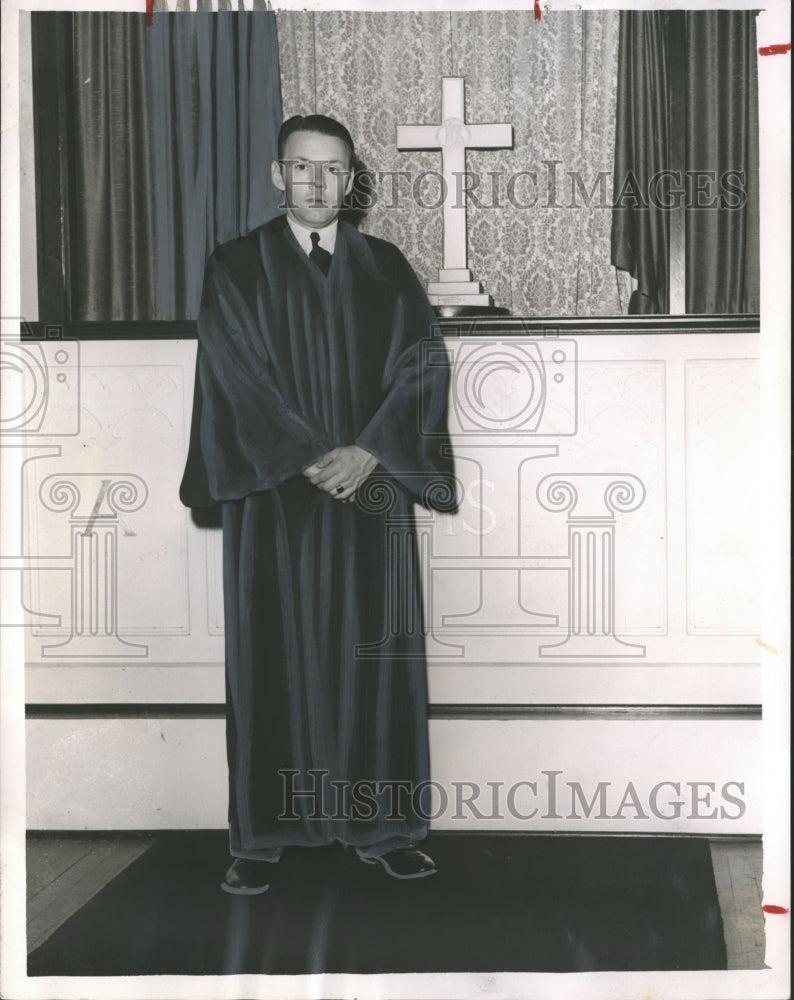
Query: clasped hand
point(346, 467)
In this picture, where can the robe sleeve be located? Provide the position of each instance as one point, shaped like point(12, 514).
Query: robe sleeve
point(408, 432)
point(244, 438)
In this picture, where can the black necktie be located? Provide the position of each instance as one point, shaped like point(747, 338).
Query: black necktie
point(320, 257)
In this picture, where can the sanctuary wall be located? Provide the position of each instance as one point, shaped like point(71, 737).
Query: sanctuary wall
point(593, 610)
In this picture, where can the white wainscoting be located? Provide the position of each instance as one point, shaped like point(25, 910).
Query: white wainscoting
point(606, 553)
point(151, 774)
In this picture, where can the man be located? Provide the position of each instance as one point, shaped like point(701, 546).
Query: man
point(318, 411)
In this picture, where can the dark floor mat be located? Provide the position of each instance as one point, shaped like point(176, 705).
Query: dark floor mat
point(498, 903)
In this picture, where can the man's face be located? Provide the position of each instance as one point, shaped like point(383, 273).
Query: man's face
point(315, 175)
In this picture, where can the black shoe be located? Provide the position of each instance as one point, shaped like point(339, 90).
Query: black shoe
point(247, 878)
point(404, 862)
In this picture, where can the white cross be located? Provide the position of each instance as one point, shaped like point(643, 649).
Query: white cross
point(453, 137)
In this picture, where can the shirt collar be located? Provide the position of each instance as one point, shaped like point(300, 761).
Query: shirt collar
point(303, 235)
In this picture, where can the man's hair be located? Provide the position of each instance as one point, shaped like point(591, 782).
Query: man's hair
point(315, 123)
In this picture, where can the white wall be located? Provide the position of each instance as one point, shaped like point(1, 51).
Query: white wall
point(671, 417)
point(657, 775)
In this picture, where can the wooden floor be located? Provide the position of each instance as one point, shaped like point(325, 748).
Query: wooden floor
point(65, 872)
point(738, 867)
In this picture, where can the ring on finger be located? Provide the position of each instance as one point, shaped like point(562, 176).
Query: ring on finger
point(339, 489)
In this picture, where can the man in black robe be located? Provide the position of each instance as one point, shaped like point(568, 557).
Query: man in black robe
point(319, 412)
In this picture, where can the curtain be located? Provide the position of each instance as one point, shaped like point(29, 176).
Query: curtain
point(722, 244)
point(111, 207)
point(215, 111)
point(172, 128)
point(719, 160)
point(545, 250)
point(641, 231)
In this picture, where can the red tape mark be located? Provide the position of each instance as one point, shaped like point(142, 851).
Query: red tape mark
point(775, 50)
point(149, 13)
point(537, 10)
point(771, 908)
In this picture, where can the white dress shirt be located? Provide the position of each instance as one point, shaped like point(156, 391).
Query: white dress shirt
point(303, 235)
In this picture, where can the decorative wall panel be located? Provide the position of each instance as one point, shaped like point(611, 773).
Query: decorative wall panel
point(603, 555)
point(723, 524)
point(110, 499)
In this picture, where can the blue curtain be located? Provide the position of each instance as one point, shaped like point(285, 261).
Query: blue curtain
point(641, 234)
point(93, 167)
point(722, 245)
point(214, 115)
point(718, 77)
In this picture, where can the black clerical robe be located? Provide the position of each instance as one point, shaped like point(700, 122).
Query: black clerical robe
point(325, 668)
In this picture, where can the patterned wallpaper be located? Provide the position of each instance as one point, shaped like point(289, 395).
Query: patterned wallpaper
point(554, 80)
